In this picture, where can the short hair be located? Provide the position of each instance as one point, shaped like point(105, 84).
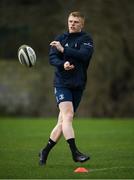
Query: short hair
point(79, 15)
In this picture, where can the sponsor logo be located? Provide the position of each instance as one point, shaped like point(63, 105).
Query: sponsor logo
point(88, 44)
point(66, 45)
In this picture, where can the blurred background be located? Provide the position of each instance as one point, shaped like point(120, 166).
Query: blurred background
point(29, 91)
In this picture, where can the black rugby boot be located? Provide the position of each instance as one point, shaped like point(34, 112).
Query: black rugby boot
point(43, 157)
point(79, 157)
point(44, 152)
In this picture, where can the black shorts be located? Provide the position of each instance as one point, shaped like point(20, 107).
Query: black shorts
point(66, 94)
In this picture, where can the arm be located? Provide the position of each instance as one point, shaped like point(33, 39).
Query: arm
point(82, 54)
point(54, 58)
point(57, 48)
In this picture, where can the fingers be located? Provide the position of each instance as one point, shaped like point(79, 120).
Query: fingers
point(67, 63)
point(72, 66)
point(53, 43)
point(57, 45)
point(68, 66)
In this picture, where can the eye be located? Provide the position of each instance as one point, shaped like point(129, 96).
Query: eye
point(76, 22)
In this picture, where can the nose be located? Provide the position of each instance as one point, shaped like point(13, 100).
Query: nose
point(73, 23)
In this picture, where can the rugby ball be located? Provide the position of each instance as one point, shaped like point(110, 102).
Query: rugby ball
point(26, 55)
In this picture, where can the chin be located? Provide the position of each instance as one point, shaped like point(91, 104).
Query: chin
point(72, 31)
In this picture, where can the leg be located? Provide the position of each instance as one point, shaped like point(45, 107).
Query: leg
point(54, 137)
point(66, 109)
point(57, 131)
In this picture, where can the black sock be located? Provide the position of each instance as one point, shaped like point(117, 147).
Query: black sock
point(49, 146)
point(72, 145)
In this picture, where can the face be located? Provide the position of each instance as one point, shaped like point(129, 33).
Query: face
point(75, 24)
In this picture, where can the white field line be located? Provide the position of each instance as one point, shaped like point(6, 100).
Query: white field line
point(106, 169)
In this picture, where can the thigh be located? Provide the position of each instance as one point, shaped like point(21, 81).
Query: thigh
point(66, 108)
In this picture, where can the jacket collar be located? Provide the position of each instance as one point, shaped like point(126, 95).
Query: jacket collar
point(74, 34)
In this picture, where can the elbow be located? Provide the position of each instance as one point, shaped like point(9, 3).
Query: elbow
point(88, 55)
point(84, 57)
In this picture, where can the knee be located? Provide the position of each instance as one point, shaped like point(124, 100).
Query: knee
point(68, 116)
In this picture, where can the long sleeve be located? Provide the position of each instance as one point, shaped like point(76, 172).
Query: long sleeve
point(82, 54)
point(54, 58)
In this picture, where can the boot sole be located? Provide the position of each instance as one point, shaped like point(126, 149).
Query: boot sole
point(81, 161)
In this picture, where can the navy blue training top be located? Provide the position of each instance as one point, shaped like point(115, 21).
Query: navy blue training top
point(78, 50)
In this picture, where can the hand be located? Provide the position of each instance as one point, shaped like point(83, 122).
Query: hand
point(58, 45)
point(68, 66)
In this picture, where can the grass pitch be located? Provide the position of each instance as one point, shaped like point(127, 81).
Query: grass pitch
point(110, 144)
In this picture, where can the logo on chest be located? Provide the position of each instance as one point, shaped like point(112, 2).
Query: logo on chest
point(75, 45)
point(66, 45)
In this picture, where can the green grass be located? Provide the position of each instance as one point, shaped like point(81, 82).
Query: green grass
point(109, 142)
